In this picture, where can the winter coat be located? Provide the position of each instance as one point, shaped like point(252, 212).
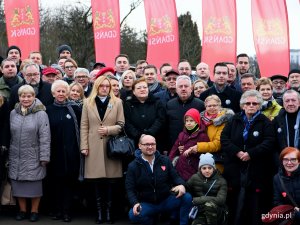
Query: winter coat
point(97, 164)
point(143, 185)
point(188, 165)
point(259, 145)
point(292, 184)
point(230, 98)
point(64, 146)
point(5, 90)
point(198, 185)
point(175, 111)
point(164, 96)
point(30, 143)
point(143, 118)
point(44, 94)
point(272, 111)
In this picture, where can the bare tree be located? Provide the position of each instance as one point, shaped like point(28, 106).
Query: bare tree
point(133, 6)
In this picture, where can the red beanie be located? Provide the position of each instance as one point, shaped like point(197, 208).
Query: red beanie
point(194, 113)
point(104, 70)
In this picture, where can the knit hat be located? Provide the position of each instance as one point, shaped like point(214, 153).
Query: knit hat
point(57, 67)
point(49, 70)
point(64, 48)
point(194, 113)
point(293, 71)
point(104, 70)
point(207, 159)
point(13, 47)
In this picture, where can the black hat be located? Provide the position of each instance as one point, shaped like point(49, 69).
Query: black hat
point(172, 72)
point(279, 76)
point(99, 64)
point(293, 71)
point(62, 48)
point(13, 47)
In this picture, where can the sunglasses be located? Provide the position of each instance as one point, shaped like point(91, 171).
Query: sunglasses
point(251, 103)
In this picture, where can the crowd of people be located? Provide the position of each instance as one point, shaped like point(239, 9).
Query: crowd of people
point(222, 145)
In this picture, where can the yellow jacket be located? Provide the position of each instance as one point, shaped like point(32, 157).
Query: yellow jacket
point(272, 111)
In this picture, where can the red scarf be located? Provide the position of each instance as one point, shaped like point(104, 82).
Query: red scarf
point(208, 119)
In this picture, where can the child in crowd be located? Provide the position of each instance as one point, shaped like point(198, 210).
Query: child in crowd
point(209, 190)
point(193, 132)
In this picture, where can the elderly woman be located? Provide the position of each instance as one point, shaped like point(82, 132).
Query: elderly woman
point(127, 79)
point(64, 118)
point(102, 116)
point(214, 117)
point(76, 93)
point(29, 151)
point(199, 86)
point(247, 141)
point(70, 66)
point(270, 108)
point(144, 114)
point(289, 173)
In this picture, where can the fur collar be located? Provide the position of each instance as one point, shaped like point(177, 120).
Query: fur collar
point(224, 116)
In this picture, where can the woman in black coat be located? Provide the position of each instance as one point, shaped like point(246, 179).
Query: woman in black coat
point(247, 141)
point(144, 114)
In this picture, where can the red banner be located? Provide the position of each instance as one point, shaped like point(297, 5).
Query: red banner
point(271, 36)
point(219, 31)
point(23, 25)
point(106, 24)
point(162, 27)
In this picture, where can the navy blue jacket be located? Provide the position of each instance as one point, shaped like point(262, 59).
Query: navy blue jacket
point(143, 185)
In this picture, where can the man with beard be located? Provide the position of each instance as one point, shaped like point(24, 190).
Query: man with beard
point(279, 87)
point(32, 77)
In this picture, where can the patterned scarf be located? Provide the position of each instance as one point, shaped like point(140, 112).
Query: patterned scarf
point(248, 123)
point(208, 119)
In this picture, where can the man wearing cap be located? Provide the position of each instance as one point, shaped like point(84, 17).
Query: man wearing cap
point(64, 51)
point(202, 71)
point(153, 186)
point(14, 53)
point(32, 77)
point(170, 92)
point(99, 66)
point(121, 65)
point(279, 86)
point(294, 79)
point(82, 76)
point(49, 75)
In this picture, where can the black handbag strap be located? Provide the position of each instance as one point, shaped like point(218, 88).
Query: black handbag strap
point(286, 191)
point(210, 187)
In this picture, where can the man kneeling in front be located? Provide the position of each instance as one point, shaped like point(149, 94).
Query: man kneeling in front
point(153, 186)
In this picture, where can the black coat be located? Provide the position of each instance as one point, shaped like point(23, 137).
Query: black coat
point(44, 95)
point(144, 186)
point(260, 147)
point(175, 112)
point(65, 151)
point(229, 98)
point(292, 184)
point(143, 118)
point(164, 96)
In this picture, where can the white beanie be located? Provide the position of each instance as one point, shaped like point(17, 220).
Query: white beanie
point(206, 159)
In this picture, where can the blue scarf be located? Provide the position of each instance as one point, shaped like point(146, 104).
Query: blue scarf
point(248, 123)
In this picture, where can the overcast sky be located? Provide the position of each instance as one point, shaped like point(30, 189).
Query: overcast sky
point(244, 25)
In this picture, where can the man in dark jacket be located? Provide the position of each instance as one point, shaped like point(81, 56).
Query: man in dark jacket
point(33, 78)
point(153, 185)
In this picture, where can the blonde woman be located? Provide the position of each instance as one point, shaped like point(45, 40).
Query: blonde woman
point(199, 86)
point(127, 79)
point(102, 116)
point(76, 93)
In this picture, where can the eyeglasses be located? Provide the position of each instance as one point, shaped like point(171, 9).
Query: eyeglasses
point(251, 103)
point(32, 74)
point(291, 160)
point(149, 144)
point(279, 82)
point(81, 77)
point(69, 67)
point(104, 86)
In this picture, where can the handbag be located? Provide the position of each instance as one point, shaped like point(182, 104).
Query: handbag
point(6, 197)
point(195, 209)
point(120, 146)
point(81, 168)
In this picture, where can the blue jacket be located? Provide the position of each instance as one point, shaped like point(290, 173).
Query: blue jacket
point(143, 185)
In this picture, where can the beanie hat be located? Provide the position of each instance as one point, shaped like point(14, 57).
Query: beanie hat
point(194, 113)
point(64, 48)
point(49, 70)
point(57, 67)
point(207, 159)
point(13, 47)
point(104, 70)
point(293, 71)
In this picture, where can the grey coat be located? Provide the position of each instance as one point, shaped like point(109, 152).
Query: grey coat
point(30, 143)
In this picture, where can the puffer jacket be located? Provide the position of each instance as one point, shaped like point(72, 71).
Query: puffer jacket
point(30, 142)
point(198, 185)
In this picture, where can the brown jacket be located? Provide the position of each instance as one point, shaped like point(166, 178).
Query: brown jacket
point(97, 164)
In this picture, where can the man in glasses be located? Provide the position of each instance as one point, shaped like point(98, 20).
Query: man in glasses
point(287, 123)
point(279, 86)
point(230, 98)
point(32, 77)
point(170, 82)
point(153, 186)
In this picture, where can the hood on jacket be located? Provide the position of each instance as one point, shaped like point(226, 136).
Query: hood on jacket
point(223, 117)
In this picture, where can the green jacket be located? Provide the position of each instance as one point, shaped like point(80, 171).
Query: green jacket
point(5, 89)
point(198, 185)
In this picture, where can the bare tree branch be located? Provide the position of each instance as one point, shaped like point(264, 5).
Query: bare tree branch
point(133, 6)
